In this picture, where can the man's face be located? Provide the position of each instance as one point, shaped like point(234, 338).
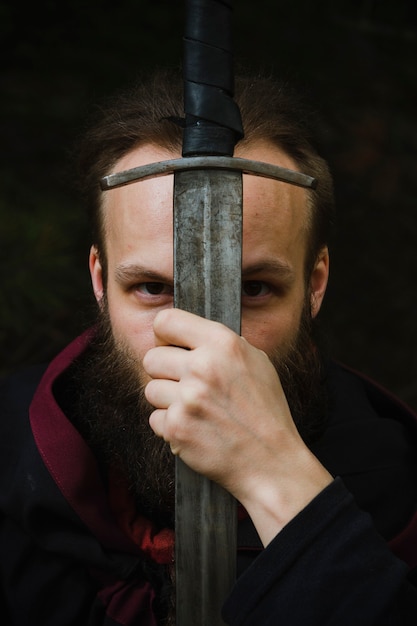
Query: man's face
point(139, 249)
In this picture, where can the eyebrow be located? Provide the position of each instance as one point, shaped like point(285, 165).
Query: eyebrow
point(270, 266)
point(129, 273)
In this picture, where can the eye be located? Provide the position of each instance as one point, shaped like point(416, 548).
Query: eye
point(255, 288)
point(154, 289)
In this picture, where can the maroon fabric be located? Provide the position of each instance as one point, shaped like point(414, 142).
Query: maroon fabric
point(74, 469)
point(117, 598)
point(158, 545)
point(68, 459)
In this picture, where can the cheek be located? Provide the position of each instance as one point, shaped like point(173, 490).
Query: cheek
point(270, 332)
point(276, 327)
point(133, 330)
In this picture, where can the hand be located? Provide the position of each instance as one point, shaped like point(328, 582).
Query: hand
point(220, 405)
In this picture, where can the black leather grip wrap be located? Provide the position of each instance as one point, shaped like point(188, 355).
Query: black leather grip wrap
point(212, 119)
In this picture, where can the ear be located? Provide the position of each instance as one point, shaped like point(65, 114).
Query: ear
point(96, 273)
point(318, 280)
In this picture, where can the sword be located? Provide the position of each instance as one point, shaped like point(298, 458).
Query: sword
point(207, 281)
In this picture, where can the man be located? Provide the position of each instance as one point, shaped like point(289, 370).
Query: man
point(321, 461)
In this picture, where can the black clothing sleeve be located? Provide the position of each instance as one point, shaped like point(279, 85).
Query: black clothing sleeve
point(327, 567)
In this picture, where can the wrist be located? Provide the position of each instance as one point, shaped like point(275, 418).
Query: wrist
point(277, 497)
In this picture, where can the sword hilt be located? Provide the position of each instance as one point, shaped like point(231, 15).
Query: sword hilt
point(213, 123)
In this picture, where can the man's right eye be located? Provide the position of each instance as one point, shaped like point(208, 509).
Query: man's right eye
point(154, 289)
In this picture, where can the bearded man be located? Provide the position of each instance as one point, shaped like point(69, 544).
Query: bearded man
point(321, 461)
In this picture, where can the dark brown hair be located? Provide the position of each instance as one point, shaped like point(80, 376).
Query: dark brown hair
point(270, 111)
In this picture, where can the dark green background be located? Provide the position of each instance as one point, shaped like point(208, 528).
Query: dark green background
point(356, 62)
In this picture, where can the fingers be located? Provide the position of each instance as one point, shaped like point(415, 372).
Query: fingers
point(161, 393)
point(157, 422)
point(176, 327)
point(165, 362)
point(184, 342)
point(197, 392)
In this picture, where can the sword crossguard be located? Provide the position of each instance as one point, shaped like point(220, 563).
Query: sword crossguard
point(246, 166)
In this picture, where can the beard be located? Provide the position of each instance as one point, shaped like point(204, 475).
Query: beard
point(113, 413)
point(113, 417)
point(302, 372)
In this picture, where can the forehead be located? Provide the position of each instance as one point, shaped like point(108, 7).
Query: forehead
point(138, 217)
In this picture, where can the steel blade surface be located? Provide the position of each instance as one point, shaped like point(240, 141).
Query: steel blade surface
point(207, 281)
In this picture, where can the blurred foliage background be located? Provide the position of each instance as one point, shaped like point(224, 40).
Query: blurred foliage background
point(356, 61)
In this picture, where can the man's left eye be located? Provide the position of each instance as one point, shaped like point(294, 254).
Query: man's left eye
point(255, 288)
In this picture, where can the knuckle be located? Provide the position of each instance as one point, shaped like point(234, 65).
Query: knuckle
point(194, 396)
point(231, 344)
point(175, 428)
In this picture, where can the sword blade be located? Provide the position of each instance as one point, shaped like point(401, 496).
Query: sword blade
point(207, 282)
